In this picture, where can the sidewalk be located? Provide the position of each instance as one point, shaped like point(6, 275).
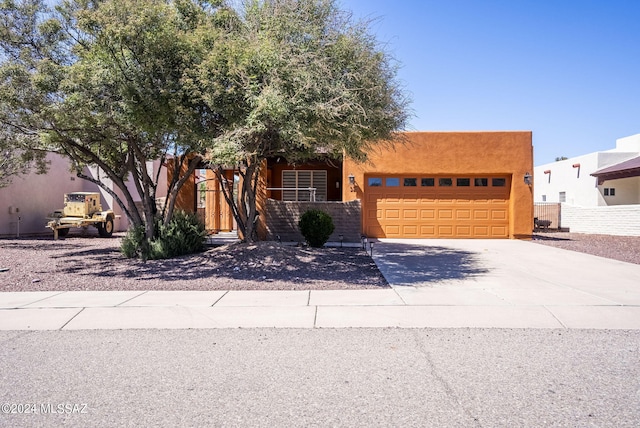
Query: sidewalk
point(396, 307)
point(435, 284)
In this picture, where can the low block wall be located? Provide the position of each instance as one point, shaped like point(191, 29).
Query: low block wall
point(282, 219)
point(621, 220)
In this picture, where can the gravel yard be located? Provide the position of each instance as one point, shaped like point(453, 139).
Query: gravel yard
point(92, 263)
point(623, 248)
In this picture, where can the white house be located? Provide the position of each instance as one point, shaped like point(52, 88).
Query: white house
point(25, 203)
point(598, 192)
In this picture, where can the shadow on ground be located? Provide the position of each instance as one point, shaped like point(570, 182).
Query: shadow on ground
point(543, 237)
point(268, 262)
point(406, 264)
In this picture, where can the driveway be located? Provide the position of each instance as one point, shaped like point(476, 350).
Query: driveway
point(579, 290)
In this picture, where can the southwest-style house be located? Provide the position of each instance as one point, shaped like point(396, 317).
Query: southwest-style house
point(434, 185)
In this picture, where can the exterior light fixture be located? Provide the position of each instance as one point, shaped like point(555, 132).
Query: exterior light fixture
point(341, 239)
point(527, 179)
point(371, 248)
point(352, 182)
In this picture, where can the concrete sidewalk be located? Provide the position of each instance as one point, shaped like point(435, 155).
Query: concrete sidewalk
point(435, 284)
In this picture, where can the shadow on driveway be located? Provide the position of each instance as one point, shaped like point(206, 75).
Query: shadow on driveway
point(406, 264)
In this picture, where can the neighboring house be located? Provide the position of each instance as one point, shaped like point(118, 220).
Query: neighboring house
point(599, 192)
point(26, 202)
point(434, 185)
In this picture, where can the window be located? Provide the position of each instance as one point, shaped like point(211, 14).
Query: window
point(544, 198)
point(375, 182)
point(498, 182)
point(300, 181)
point(428, 182)
point(562, 197)
point(481, 182)
point(610, 191)
point(463, 182)
point(445, 182)
point(410, 182)
point(392, 182)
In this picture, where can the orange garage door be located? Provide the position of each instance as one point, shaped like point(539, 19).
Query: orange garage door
point(410, 206)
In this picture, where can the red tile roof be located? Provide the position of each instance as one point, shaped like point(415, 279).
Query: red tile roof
point(628, 168)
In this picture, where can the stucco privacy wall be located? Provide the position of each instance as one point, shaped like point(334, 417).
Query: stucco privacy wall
point(282, 219)
point(457, 153)
point(31, 197)
point(622, 220)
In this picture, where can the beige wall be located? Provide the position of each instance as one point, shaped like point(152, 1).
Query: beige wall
point(31, 197)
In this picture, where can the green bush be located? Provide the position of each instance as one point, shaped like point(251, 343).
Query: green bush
point(131, 245)
point(316, 226)
point(185, 234)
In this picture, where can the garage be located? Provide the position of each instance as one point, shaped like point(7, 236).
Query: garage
point(436, 206)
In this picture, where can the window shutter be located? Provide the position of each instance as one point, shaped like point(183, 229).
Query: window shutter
point(304, 180)
point(320, 183)
point(289, 180)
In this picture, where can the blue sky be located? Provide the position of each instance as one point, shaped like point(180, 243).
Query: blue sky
point(567, 70)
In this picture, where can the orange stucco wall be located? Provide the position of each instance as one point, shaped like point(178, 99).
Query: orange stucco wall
point(457, 153)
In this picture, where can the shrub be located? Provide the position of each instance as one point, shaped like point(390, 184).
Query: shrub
point(185, 234)
point(316, 226)
point(131, 245)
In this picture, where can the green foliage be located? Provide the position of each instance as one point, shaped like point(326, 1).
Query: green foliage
point(116, 84)
point(301, 76)
point(15, 161)
point(133, 242)
point(299, 79)
point(109, 84)
point(316, 226)
point(184, 234)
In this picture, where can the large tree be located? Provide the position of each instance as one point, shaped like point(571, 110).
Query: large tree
point(110, 84)
point(302, 80)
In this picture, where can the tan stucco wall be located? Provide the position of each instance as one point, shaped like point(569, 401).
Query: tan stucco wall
point(456, 153)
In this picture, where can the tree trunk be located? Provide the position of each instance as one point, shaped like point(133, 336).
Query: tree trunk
point(249, 202)
point(177, 181)
point(244, 208)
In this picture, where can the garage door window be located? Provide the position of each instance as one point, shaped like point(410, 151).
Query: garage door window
point(481, 182)
point(410, 182)
point(463, 182)
point(392, 182)
point(445, 182)
point(428, 182)
point(498, 182)
point(375, 182)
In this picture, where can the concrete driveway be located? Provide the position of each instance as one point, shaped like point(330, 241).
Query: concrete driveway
point(513, 279)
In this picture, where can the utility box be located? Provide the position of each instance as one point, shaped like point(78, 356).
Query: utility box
point(81, 204)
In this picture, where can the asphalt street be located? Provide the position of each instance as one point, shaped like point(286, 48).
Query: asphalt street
point(321, 377)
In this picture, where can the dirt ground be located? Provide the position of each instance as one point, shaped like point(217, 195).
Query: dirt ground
point(623, 248)
point(92, 263)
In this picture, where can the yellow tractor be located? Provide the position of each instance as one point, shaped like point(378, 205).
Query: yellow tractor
point(81, 209)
